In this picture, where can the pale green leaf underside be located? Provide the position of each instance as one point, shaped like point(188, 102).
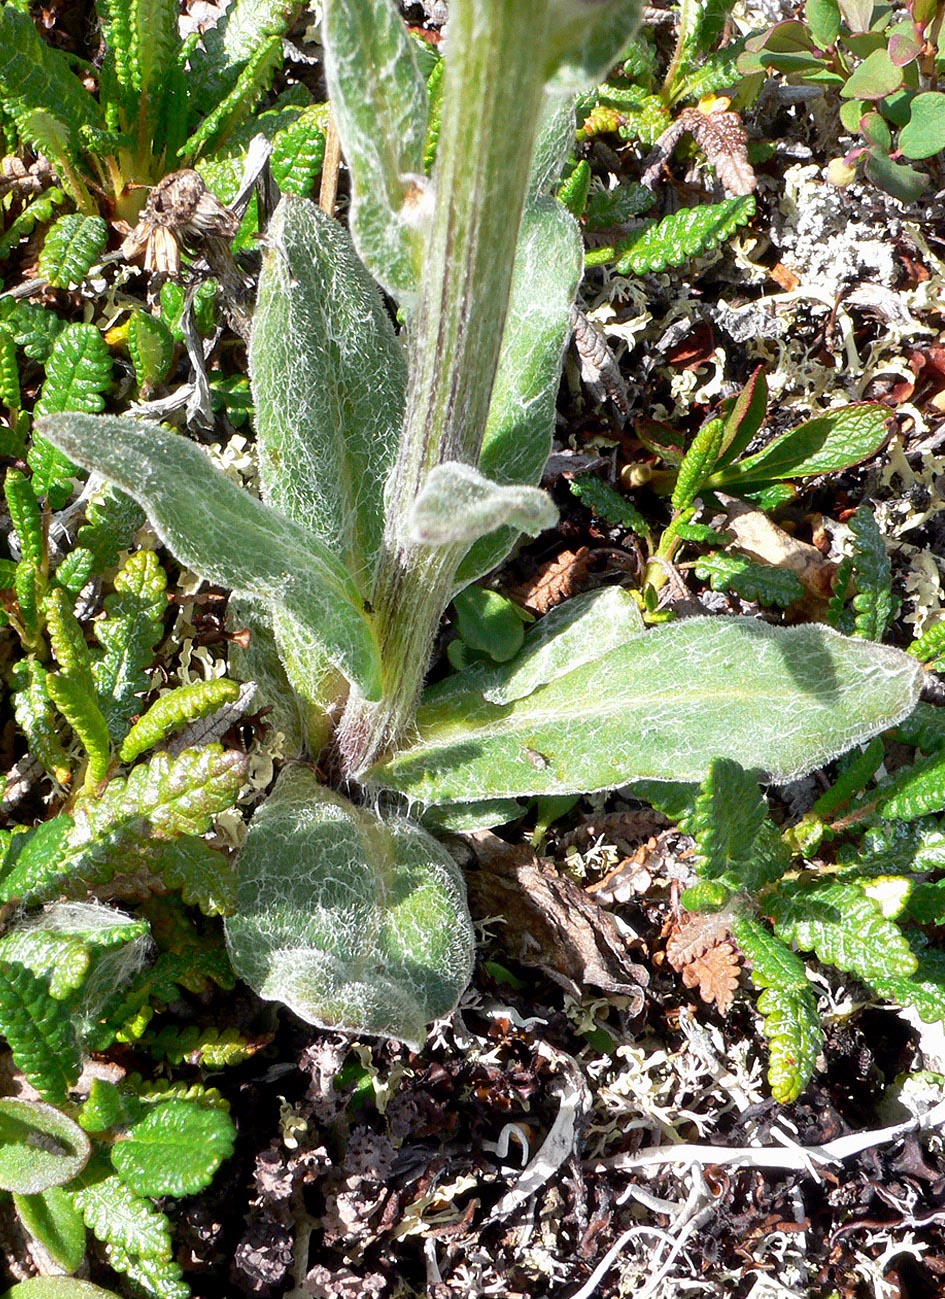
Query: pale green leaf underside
point(329, 382)
point(352, 922)
point(225, 535)
point(380, 103)
point(39, 1146)
point(458, 503)
point(661, 707)
point(57, 1287)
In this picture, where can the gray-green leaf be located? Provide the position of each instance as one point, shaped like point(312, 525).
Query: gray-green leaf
point(329, 382)
point(458, 503)
point(660, 706)
point(227, 536)
point(379, 98)
point(352, 922)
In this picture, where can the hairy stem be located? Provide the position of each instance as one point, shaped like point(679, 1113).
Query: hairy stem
point(493, 94)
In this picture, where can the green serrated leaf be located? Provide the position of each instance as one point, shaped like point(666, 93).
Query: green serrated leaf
point(175, 1149)
point(211, 1048)
point(729, 814)
point(34, 75)
point(175, 710)
point(916, 791)
point(128, 634)
point(40, 1146)
point(843, 926)
point(151, 348)
point(608, 504)
point(683, 235)
point(924, 988)
point(795, 1036)
point(659, 706)
point(229, 537)
point(758, 582)
point(298, 152)
point(59, 948)
point(39, 1032)
point(136, 1236)
point(349, 920)
point(36, 719)
point(78, 371)
point(698, 463)
point(71, 249)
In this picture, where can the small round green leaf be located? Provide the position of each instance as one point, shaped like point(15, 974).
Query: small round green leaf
point(876, 76)
point(489, 623)
point(39, 1146)
point(175, 1149)
point(924, 134)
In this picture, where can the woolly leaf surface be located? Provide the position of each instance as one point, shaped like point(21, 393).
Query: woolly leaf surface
point(39, 1146)
point(351, 921)
point(660, 706)
point(521, 419)
point(227, 536)
point(379, 98)
point(329, 380)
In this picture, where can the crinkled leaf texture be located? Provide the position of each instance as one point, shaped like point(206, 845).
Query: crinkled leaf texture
point(329, 383)
point(660, 706)
point(39, 1147)
point(353, 922)
point(175, 1149)
point(227, 536)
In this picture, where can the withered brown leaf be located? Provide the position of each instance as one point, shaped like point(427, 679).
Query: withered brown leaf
point(720, 136)
point(715, 974)
point(556, 581)
point(550, 922)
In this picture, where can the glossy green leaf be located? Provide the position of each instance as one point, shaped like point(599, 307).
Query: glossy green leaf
point(39, 1032)
point(72, 247)
point(329, 382)
point(489, 623)
point(151, 348)
point(924, 134)
point(795, 1037)
point(843, 926)
point(39, 1146)
point(175, 1149)
point(876, 77)
point(826, 444)
point(660, 706)
point(53, 1220)
point(379, 99)
point(351, 921)
point(823, 19)
point(226, 535)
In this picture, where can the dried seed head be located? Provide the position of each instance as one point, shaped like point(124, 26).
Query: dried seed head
point(180, 209)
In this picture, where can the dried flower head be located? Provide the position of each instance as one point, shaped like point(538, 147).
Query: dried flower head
point(180, 211)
